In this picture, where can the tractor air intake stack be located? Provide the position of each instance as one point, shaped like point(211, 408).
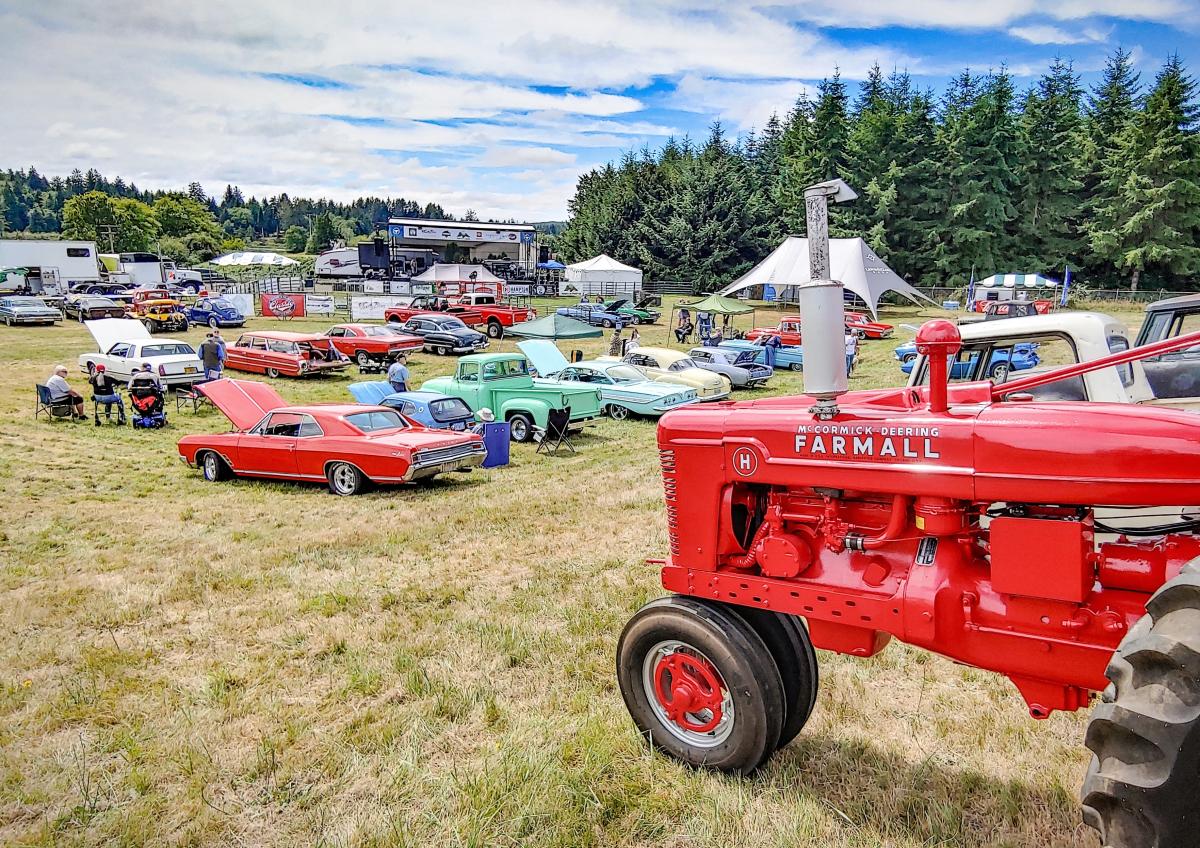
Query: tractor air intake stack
point(822, 307)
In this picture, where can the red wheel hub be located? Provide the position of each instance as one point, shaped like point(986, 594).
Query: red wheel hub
point(685, 686)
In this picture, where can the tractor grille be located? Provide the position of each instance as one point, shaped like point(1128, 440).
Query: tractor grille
point(666, 459)
point(436, 456)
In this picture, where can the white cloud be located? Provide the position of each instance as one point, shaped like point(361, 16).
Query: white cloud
point(1049, 34)
point(961, 14)
point(743, 104)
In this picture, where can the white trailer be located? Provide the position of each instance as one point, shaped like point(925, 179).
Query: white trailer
point(144, 270)
point(53, 266)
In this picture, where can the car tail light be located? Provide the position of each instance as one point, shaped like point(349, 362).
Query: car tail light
point(162, 370)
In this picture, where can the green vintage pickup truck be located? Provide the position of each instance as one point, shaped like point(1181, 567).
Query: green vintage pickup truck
point(502, 382)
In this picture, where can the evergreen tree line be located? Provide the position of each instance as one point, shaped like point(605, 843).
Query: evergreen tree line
point(980, 180)
point(33, 204)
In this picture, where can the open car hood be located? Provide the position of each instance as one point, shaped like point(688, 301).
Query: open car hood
point(546, 358)
point(243, 402)
point(109, 331)
point(371, 392)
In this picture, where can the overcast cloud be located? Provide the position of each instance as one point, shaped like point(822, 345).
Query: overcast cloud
point(492, 106)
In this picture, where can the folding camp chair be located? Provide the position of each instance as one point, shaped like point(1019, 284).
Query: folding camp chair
point(190, 396)
point(556, 435)
point(60, 408)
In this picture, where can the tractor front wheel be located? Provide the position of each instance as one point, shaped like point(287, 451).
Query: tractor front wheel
point(700, 683)
point(1140, 789)
point(787, 639)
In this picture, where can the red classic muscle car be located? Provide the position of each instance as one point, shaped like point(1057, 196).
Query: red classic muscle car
point(862, 324)
point(289, 354)
point(349, 446)
point(367, 343)
point(788, 330)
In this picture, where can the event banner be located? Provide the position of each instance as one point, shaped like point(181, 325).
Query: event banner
point(243, 302)
point(282, 305)
point(319, 304)
point(459, 232)
point(371, 306)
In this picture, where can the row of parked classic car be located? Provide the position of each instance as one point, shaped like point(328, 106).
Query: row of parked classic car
point(157, 309)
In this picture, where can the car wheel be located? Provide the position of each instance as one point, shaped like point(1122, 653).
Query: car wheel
point(7, 321)
point(606, 323)
point(796, 366)
point(213, 322)
point(91, 368)
point(362, 358)
point(618, 412)
point(344, 479)
point(273, 373)
point(81, 318)
point(95, 290)
point(520, 427)
point(909, 357)
point(214, 468)
point(441, 350)
point(495, 330)
point(149, 325)
point(999, 372)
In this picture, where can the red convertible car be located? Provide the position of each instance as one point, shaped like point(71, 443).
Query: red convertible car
point(288, 354)
point(861, 323)
point(348, 446)
point(368, 343)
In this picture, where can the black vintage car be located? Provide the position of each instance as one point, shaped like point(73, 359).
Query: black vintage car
point(91, 307)
point(1173, 375)
point(443, 333)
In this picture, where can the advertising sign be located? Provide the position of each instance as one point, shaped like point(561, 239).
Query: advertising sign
point(242, 302)
point(458, 232)
point(519, 289)
point(281, 305)
point(318, 304)
point(370, 307)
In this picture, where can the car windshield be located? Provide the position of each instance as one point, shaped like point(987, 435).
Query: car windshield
point(448, 409)
point(683, 364)
point(376, 419)
point(26, 301)
point(625, 374)
point(376, 331)
point(221, 303)
point(168, 349)
point(505, 368)
point(99, 301)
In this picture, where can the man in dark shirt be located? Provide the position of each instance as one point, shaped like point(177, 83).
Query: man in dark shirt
point(104, 391)
point(212, 354)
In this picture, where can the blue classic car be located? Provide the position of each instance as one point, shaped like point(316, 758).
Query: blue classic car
point(23, 309)
point(1024, 356)
point(430, 409)
point(215, 312)
point(623, 388)
point(786, 356)
point(592, 313)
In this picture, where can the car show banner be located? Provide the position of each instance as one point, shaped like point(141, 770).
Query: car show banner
point(458, 233)
point(319, 304)
point(243, 302)
point(371, 306)
point(282, 305)
point(519, 289)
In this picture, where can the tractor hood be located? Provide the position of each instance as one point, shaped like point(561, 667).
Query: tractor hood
point(243, 402)
point(110, 331)
point(546, 358)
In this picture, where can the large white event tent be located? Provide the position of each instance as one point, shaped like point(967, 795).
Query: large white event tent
point(452, 272)
point(851, 262)
point(603, 273)
point(244, 258)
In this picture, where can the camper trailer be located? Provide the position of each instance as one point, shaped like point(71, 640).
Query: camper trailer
point(50, 267)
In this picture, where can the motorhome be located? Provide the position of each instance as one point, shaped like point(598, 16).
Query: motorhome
point(46, 267)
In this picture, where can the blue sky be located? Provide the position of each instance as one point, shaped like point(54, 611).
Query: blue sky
point(493, 107)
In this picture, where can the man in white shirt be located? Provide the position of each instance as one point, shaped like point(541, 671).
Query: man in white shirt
point(60, 389)
point(851, 349)
point(398, 374)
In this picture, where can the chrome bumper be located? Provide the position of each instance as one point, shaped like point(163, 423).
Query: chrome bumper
point(421, 471)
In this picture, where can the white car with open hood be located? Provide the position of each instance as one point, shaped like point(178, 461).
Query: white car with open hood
point(124, 344)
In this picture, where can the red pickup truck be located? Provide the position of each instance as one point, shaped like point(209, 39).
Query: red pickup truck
point(473, 309)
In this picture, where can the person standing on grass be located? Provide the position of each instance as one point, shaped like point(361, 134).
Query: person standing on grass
point(771, 347)
point(212, 354)
point(635, 340)
point(398, 374)
point(104, 390)
point(851, 350)
point(61, 390)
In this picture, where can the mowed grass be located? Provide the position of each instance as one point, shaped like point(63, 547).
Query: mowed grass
point(254, 663)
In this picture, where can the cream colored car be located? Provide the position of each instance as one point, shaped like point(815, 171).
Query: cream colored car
point(664, 365)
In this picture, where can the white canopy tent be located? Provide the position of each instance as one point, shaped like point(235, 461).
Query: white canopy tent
point(603, 275)
point(243, 258)
point(851, 262)
point(450, 272)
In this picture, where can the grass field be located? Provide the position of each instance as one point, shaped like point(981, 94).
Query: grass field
point(252, 663)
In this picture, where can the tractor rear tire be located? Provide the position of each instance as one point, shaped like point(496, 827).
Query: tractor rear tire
point(683, 647)
point(1140, 789)
point(787, 639)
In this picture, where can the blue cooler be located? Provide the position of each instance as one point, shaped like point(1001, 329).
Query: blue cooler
point(496, 440)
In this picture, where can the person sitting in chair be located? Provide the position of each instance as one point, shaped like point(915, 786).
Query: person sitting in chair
point(486, 416)
point(683, 331)
point(104, 391)
point(60, 391)
point(144, 377)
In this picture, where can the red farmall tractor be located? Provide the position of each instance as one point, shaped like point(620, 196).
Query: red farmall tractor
point(970, 520)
